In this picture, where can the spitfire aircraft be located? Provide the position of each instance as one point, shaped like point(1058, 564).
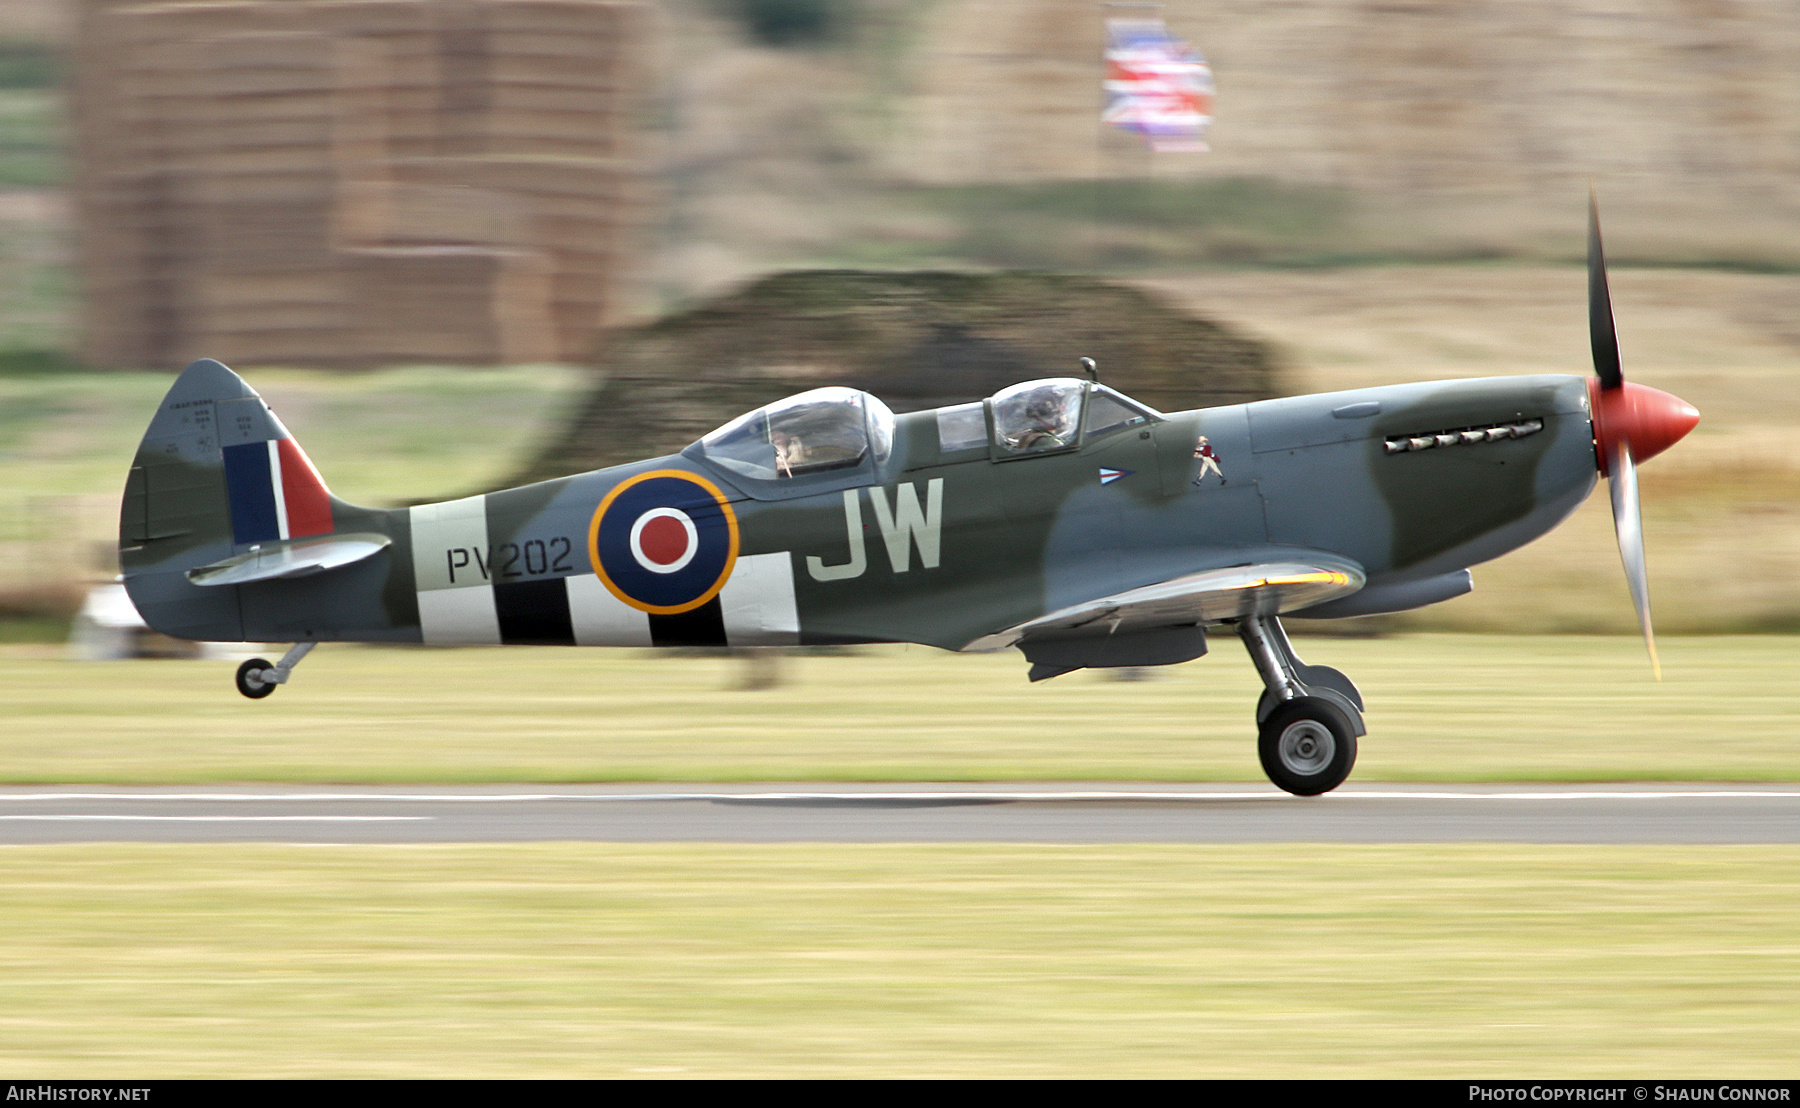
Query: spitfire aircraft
point(1057, 516)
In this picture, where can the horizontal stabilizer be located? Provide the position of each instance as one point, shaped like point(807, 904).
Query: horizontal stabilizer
point(290, 558)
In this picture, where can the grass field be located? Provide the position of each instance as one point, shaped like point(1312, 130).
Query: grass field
point(1441, 708)
point(565, 960)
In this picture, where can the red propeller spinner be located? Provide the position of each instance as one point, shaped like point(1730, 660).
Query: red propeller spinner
point(1649, 420)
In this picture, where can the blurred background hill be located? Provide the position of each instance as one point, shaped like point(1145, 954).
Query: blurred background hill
point(1394, 193)
point(774, 134)
point(1346, 130)
point(781, 132)
point(916, 339)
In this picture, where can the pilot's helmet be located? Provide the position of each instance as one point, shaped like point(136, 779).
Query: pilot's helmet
point(1044, 408)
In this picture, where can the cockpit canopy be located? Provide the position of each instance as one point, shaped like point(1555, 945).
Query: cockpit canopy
point(813, 432)
point(840, 438)
point(1038, 415)
point(1035, 417)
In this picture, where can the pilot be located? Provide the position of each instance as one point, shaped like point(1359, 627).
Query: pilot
point(1047, 422)
point(788, 452)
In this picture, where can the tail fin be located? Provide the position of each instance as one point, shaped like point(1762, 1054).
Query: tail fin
point(216, 475)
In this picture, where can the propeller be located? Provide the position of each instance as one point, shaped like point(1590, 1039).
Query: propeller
point(1631, 424)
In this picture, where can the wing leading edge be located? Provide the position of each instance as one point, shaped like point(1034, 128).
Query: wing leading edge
point(1163, 623)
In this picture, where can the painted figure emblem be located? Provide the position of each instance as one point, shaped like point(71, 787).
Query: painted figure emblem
point(1209, 461)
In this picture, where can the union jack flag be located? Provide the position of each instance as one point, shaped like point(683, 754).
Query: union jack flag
point(1157, 85)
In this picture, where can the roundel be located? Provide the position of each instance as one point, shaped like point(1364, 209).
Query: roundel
point(664, 542)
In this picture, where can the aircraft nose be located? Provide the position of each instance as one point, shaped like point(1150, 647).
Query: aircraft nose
point(1651, 420)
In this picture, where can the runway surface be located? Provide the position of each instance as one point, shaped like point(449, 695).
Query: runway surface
point(1059, 813)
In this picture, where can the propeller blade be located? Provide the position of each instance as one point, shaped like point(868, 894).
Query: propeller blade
point(1628, 523)
point(1602, 335)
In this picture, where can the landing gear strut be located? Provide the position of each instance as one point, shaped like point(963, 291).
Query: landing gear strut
point(1309, 716)
point(257, 678)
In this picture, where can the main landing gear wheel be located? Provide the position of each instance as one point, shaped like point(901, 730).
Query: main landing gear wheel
point(249, 678)
point(1307, 746)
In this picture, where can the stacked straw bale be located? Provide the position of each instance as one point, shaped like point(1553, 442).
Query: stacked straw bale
point(352, 182)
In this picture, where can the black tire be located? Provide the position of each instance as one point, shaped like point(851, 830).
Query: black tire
point(1307, 746)
point(258, 689)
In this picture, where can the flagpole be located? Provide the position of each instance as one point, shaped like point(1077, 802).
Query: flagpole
point(1100, 161)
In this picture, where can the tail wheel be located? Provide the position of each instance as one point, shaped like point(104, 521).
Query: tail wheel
point(249, 678)
point(1307, 746)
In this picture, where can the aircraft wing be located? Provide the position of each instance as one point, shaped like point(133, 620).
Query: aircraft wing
point(1210, 596)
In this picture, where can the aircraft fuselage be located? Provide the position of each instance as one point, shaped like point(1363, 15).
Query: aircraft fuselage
point(943, 546)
